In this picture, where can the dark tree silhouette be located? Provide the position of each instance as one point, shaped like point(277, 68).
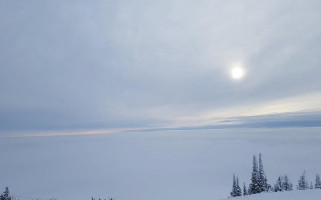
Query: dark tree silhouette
point(5, 195)
point(238, 188)
point(245, 191)
point(254, 186)
point(233, 192)
point(302, 183)
point(317, 184)
point(262, 181)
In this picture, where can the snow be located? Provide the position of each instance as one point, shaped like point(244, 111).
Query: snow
point(171, 165)
point(290, 195)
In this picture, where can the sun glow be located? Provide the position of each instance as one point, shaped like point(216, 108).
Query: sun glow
point(237, 72)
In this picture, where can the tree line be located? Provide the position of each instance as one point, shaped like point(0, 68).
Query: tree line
point(7, 196)
point(260, 184)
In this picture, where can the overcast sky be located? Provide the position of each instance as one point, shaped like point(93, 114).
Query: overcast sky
point(99, 65)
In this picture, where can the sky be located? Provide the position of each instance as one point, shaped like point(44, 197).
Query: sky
point(89, 67)
point(138, 98)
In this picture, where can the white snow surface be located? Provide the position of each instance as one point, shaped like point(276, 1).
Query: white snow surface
point(171, 165)
point(290, 195)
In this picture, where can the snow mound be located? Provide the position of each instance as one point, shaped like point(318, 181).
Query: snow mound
point(291, 195)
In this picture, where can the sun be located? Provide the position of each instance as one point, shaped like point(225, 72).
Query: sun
point(237, 73)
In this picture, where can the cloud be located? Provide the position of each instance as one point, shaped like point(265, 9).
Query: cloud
point(105, 65)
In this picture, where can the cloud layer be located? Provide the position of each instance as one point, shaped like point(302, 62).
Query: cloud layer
point(105, 64)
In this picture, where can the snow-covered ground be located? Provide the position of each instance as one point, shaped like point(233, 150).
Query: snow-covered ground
point(292, 195)
point(189, 165)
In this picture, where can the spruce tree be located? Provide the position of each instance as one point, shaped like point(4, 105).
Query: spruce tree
point(302, 183)
point(278, 185)
point(286, 184)
point(5, 195)
point(317, 184)
point(238, 188)
point(261, 179)
point(233, 192)
point(245, 191)
point(254, 186)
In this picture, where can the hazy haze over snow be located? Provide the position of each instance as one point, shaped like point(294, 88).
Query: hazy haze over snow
point(189, 165)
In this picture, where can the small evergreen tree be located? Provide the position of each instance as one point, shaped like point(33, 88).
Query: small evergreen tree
point(5, 195)
point(278, 185)
point(302, 183)
point(282, 184)
point(245, 191)
point(238, 188)
point(233, 192)
point(317, 184)
point(262, 181)
point(254, 186)
point(286, 184)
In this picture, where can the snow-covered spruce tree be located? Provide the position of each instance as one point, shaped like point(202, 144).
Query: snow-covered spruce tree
point(278, 185)
point(254, 185)
point(233, 192)
point(302, 183)
point(245, 191)
point(317, 184)
point(286, 184)
point(5, 195)
point(262, 181)
point(238, 188)
point(311, 186)
point(283, 184)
